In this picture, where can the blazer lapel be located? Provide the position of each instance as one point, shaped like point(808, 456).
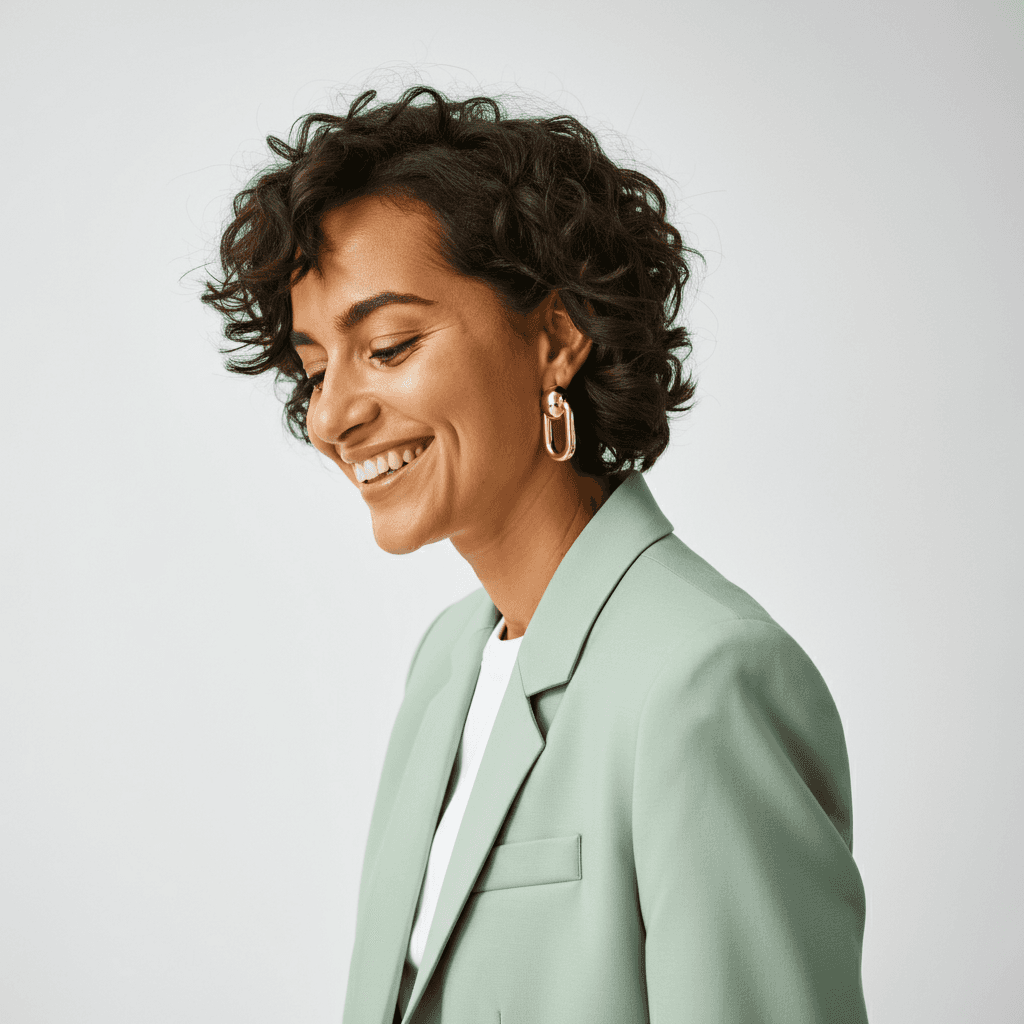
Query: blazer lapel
point(393, 887)
point(513, 746)
point(627, 523)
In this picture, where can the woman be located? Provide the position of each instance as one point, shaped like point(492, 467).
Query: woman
point(615, 789)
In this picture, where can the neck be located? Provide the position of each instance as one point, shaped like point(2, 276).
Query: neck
point(528, 529)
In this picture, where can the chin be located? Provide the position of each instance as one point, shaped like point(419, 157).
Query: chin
point(398, 548)
point(397, 541)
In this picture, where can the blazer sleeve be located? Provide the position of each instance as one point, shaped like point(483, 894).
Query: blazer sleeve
point(752, 906)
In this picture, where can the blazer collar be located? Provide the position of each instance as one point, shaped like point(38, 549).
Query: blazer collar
point(626, 524)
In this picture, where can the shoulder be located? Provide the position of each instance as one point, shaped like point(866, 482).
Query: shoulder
point(672, 613)
point(711, 643)
point(687, 615)
point(670, 569)
point(703, 672)
point(736, 675)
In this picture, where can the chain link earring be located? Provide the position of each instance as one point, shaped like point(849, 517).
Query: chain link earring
point(554, 406)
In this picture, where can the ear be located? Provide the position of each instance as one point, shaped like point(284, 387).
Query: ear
point(567, 346)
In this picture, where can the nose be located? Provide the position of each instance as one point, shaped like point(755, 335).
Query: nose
point(337, 408)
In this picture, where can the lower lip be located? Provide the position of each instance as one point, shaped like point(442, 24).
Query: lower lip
point(384, 482)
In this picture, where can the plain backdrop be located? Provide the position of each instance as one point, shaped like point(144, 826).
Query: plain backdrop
point(204, 650)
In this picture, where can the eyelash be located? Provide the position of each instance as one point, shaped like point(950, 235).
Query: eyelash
point(385, 355)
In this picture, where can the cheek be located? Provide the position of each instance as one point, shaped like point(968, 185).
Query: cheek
point(499, 424)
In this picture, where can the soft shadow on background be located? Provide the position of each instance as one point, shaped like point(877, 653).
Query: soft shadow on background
point(203, 650)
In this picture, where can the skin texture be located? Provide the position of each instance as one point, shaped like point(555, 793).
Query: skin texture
point(473, 381)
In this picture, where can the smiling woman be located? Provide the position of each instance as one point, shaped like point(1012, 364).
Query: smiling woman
point(616, 789)
point(431, 358)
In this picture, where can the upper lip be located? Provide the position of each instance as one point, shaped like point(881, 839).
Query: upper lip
point(358, 455)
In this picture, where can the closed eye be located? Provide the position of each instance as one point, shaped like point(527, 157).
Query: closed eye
point(388, 355)
point(385, 355)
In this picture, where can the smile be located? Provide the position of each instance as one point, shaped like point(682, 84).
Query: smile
point(386, 480)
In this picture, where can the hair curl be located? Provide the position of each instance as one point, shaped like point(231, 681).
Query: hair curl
point(527, 205)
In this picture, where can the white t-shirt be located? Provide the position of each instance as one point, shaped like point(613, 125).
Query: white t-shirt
point(496, 664)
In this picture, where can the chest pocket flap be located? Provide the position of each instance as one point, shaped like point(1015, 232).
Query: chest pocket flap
point(535, 862)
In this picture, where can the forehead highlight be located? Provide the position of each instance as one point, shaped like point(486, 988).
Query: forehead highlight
point(380, 228)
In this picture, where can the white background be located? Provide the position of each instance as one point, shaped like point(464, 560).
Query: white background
point(203, 649)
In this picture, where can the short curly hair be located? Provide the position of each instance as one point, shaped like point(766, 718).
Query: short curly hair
point(527, 205)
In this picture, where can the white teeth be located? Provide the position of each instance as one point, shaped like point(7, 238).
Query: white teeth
point(373, 468)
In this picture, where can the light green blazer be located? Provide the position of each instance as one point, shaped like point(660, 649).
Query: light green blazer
point(661, 826)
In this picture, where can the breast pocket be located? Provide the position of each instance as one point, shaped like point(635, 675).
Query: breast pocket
point(535, 862)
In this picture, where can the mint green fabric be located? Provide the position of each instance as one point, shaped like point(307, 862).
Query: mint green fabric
point(661, 826)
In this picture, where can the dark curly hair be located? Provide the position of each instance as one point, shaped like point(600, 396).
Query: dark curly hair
point(527, 205)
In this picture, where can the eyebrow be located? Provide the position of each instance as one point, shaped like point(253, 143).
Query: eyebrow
point(360, 310)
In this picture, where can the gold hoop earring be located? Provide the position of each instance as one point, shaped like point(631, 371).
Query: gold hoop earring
point(554, 406)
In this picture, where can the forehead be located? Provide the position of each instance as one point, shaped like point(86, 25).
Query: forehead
point(373, 238)
point(374, 245)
